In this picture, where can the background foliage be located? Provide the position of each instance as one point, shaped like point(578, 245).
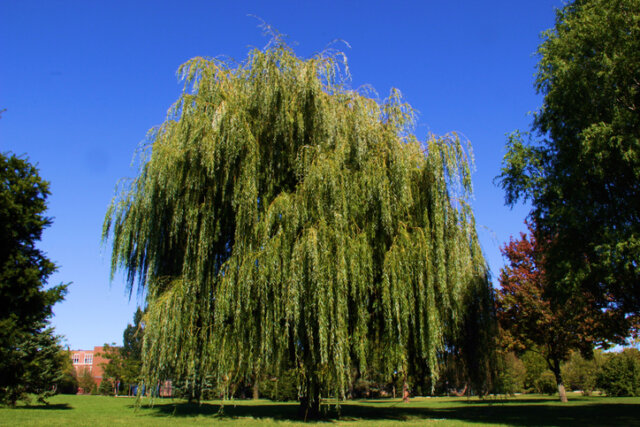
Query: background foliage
point(620, 374)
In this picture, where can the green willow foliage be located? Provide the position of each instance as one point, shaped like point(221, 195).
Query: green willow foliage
point(281, 219)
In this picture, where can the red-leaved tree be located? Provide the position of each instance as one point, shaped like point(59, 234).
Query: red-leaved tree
point(533, 317)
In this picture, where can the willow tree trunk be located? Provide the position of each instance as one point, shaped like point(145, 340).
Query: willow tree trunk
point(310, 403)
point(256, 392)
point(558, 374)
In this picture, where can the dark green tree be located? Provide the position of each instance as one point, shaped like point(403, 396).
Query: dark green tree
point(620, 373)
point(281, 219)
point(120, 371)
point(27, 345)
point(580, 168)
point(69, 382)
point(581, 373)
point(124, 363)
point(132, 337)
point(512, 374)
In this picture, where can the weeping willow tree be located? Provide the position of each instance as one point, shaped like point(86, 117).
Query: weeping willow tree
point(281, 219)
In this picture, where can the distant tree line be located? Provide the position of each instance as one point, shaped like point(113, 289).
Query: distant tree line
point(613, 373)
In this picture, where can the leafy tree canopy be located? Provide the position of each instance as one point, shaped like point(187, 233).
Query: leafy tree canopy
point(620, 374)
point(582, 173)
point(528, 315)
point(119, 370)
point(581, 373)
point(132, 337)
point(281, 218)
point(28, 348)
point(124, 363)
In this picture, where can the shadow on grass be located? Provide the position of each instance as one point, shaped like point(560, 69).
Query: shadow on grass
point(522, 413)
point(46, 406)
point(519, 401)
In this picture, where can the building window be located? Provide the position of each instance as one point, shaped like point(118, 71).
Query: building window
point(88, 359)
point(76, 359)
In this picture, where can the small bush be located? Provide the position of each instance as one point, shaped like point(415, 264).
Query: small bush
point(86, 382)
point(361, 389)
point(68, 384)
point(546, 383)
point(106, 388)
point(282, 388)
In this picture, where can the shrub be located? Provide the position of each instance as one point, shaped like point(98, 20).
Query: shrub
point(511, 376)
point(282, 388)
point(106, 388)
point(535, 366)
point(582, 374)
point(620, 375)
point(86, 382)
point(546, 383)
point(68, 383)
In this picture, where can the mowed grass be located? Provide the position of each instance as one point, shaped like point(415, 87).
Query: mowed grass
point(526, 410)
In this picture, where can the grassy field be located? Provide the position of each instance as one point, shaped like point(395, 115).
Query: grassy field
point(529, 410)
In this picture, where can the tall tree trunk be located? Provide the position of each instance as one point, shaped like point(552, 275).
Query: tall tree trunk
point(196, 391)
point(256, 390)
point(196, 385)
point(310, 403)
point(405, 390)
point(558, 374)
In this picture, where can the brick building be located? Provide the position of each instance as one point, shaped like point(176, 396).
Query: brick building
point(90, 360)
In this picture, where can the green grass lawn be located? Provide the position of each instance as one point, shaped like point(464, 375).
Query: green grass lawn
point(526, 410)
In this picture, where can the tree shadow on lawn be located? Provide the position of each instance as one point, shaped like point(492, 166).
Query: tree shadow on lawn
point(502, 412)
point(46, 406)
point(517, 401)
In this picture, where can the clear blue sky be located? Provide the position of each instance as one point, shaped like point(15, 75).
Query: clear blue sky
point(83, 81)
